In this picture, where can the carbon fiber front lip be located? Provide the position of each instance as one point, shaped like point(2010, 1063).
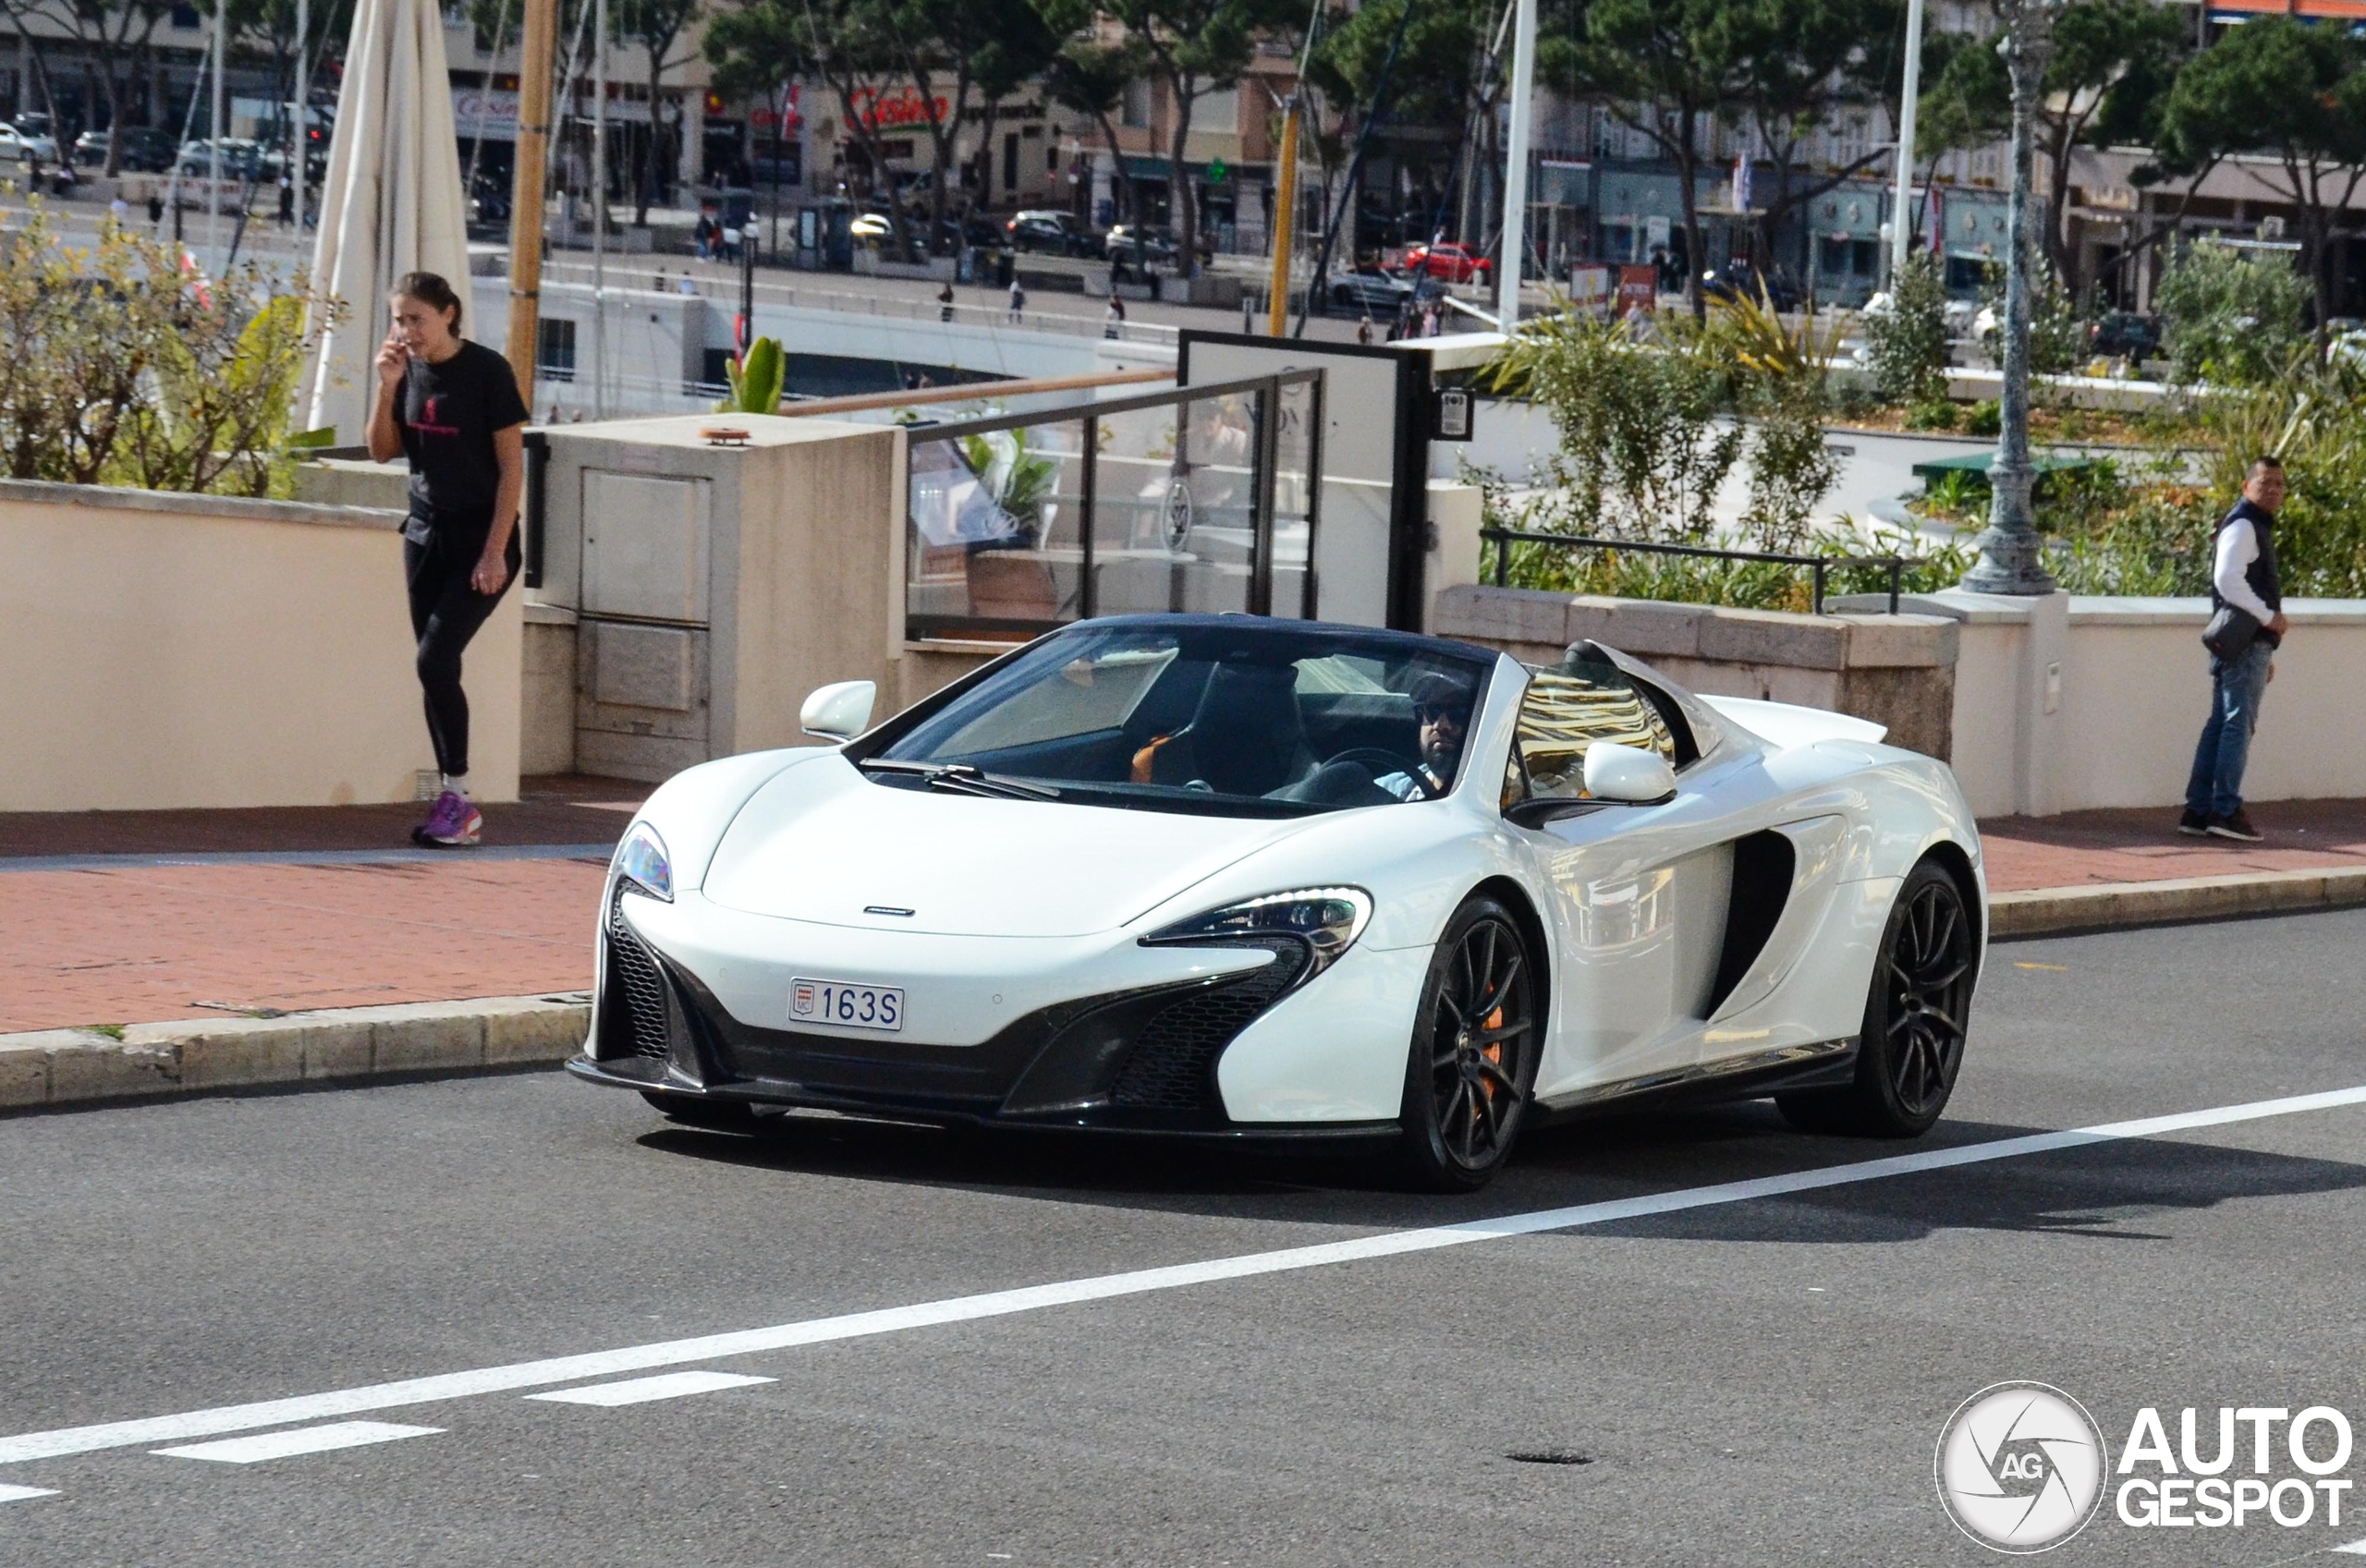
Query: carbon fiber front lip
point(761, 1092)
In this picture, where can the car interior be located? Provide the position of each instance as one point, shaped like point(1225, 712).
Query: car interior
point(1315, 730)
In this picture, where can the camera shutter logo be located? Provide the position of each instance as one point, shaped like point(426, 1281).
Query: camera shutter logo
point(2020, 1467)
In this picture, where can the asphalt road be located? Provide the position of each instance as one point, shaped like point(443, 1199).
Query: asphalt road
point(1747, 1380)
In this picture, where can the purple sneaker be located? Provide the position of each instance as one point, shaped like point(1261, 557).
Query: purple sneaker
point(453, 823)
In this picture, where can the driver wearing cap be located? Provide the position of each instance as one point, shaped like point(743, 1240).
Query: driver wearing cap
point(1442, 708)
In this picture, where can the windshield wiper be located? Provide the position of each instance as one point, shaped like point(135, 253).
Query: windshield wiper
point(963, 778)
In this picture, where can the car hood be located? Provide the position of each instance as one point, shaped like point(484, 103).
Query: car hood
point(825, 843)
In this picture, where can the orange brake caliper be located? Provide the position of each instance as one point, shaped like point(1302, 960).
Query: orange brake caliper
point(1494, 1053)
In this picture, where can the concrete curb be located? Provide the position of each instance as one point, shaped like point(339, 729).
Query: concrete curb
point(2059, 910)
point(196, 1055)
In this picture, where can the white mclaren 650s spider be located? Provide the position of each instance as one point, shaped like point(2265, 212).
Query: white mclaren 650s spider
point(1287, 882)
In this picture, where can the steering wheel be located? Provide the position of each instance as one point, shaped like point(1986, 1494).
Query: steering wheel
point(1390, 762)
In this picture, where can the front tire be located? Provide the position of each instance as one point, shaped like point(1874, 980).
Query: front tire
point(1910, 1047)
point(1476, 1039)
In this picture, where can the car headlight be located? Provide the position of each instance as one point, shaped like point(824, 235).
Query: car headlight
point(641, 861)
point(1327, 920)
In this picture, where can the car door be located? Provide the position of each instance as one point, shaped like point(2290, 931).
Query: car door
point(1639, 893)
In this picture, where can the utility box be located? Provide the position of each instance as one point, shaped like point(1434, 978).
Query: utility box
point(715, 584)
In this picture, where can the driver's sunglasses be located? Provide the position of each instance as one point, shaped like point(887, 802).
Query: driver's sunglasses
point(1431, 712)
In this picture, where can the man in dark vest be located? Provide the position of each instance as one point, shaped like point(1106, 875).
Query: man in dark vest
point(2243, 575)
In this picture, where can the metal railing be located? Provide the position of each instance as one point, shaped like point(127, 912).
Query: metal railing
point(1201, 498)
point(1819, 565)
point(634, 273)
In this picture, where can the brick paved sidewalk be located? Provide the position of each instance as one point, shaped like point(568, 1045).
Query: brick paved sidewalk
point(139, 939)
point(2144, 846)
point(143, 939)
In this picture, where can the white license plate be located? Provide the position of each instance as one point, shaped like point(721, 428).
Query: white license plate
point(849, 1006)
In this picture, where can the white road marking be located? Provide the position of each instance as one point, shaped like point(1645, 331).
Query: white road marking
point(2355, 1549)
point(303, 1439)
point(639, 1390)
point(18, 1494)
point(1103, 1287)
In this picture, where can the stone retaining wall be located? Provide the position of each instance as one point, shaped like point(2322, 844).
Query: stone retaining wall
point(1896, 670)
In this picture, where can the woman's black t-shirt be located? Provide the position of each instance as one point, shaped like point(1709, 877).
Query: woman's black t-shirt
point(448, 415)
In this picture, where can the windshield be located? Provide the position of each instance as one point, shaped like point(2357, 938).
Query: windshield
point(1242, 718)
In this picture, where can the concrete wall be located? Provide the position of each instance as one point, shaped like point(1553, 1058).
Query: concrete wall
point(546, 739)
point(2091, 702)
point(164, 651)
point(2136, 690)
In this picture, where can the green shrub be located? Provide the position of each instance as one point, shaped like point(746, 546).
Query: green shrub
point(1932, 413)
point(1907, 343)
point(117, 369)
point(1987, 418)
point(1643, 449)
point(2232, 320)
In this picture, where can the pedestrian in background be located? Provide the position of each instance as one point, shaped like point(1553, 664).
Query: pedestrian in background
point(1018, 300)
point(156, 215)
point(452, 408)
point(1112, 322)
point(945, 303)
point(2247, 626)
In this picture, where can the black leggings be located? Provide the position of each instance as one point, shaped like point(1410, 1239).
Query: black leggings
point(445, 613)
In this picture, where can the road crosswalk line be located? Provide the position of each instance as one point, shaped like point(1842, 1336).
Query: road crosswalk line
point(18, 1494)
point(639, 1390)
point(301, 1439)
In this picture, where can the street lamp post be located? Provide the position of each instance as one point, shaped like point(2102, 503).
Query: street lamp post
point(2010, 551)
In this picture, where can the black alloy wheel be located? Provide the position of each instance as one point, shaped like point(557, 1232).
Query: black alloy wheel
point(1911, 1045)
point(1476, 1038)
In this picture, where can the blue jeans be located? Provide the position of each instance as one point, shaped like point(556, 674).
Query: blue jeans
point(2236, 686)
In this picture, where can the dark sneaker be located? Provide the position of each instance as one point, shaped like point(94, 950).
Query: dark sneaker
point(2193, 824)
point(2235, 825)
point(453, 823)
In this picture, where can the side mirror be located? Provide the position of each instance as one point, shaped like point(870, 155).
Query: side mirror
point(1629, 774)
point(838, 712)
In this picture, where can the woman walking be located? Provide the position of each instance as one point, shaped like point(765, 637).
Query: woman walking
point(452, 408)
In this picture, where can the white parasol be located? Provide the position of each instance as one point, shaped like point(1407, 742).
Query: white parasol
point(393, 201)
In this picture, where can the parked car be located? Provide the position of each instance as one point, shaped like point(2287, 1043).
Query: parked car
point(2126, 334)
point(1047, 230)
point(1373, 293)
point(243, 159)
point(1453, 263)
point(1152, 242)
point(18, 144)
point(981, 229)
point(1751, 286)
point(146, 148)
point(489, 201)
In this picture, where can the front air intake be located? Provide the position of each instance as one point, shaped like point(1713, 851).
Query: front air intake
point(633, 978)
point(1172, 1065)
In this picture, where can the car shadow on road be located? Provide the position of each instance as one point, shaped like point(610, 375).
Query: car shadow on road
point(2106, 1190)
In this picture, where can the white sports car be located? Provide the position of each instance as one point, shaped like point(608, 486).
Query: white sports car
point(1261, 880)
